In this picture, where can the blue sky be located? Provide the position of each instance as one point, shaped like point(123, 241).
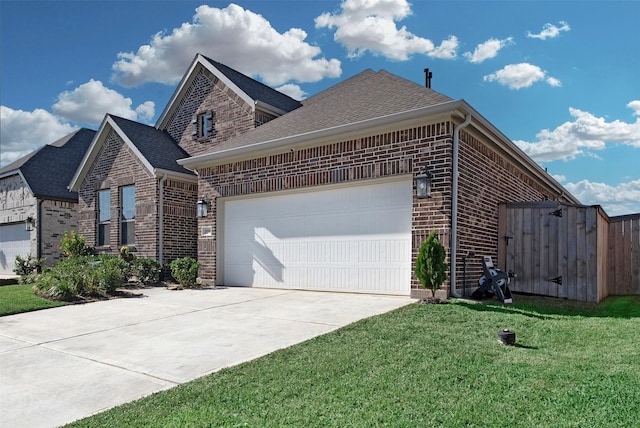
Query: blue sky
point(560, 79)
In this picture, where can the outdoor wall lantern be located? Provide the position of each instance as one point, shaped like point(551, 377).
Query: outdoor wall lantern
point(423, 183)
point(28, 224)
point(202, 207)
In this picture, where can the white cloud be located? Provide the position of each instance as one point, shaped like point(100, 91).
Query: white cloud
point(616, 200)
point(237, 37)
point(635, 106)
point(370, 25)
point(559, 177)
point(487, 50)
point(549, 31)
point(24, 131)
point(90, 101)
point(578, 137)
point(518, 76)
point(294, 91)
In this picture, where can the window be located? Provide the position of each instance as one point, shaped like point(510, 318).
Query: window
point(202, 125)
point(104, 217)
point(128, 215)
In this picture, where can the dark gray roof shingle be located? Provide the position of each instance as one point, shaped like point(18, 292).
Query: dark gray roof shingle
point(367, 95)
point(49, 169)
point(256, 90)
point(157, 147)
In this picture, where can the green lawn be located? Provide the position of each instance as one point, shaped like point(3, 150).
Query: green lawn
point(15, 299)
point(574, 365)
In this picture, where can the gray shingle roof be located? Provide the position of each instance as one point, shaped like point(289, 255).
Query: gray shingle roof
point(256, 90)
point(157, 147)
point(367, 95)
point(49, 169)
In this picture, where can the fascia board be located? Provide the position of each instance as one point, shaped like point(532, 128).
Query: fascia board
point(131, 146)
point(89, 157)
point(269, 108)
point(309, 138)
point(179, 92)
point(159, 173)
point(220, 75)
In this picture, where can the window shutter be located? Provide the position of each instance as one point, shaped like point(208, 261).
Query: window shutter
point(194, 126)
point(209, 122)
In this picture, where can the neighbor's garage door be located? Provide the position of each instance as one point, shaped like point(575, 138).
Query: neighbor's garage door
point(14, 241)
point(355, 239)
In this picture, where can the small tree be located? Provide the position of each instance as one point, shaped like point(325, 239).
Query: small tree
point(431, 269)
point(73, 244)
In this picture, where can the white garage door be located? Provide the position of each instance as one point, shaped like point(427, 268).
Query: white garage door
point(14, 241)
point(354, 239)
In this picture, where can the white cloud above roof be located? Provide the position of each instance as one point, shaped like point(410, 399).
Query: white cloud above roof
point(370, 26)
point(518, 76)
point(549, 31)
point(620, 199)
point(488, 50)
point(239, 38)
point(24, 131)
point(581, 136)
point(90, 101)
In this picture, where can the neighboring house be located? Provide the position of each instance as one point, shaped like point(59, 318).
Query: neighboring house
point(317, 195)
point(36, 208)
point(131, 189)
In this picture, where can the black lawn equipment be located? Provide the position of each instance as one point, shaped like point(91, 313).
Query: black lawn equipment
point(493, 282)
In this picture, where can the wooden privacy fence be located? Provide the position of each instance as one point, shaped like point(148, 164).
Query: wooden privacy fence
point(623, 276)
point(570, 251)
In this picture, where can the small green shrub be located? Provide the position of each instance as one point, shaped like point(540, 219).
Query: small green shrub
point(26, 267)
point(74, 244)
point(147, 271)
point(431, 269)
point(81, 275)
point(185, 271)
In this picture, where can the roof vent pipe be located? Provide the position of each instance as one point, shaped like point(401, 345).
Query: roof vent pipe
point(427, 76)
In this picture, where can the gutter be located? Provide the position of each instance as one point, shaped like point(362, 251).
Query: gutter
point(454, 206)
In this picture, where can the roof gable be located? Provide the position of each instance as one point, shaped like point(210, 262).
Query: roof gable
point(250, 90)
point(157, 151)
point(48, 170)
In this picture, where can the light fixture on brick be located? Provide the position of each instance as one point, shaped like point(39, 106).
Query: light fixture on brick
point(202, 207)
point(423, 183)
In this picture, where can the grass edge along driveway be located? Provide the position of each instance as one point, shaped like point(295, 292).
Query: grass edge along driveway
point(427, 365)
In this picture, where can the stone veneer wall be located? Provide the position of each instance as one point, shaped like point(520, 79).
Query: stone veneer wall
point(16, 204)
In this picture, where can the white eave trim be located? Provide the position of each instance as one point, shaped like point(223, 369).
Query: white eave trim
point(159, 173)
point(322, 134)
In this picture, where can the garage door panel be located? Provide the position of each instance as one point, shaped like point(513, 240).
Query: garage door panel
point(347, 239)
point(14, 241)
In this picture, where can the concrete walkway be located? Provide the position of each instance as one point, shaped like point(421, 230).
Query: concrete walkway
point(62, 364)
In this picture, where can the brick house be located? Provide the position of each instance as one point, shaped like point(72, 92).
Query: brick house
point(36, 208)
point(131, 189)
point(316, 195)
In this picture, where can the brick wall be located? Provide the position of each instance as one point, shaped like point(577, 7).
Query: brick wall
point(374, 156)
point(180, 223)
point(486, 178)
point(233, 115)
point(117, 166)
point(57, 217)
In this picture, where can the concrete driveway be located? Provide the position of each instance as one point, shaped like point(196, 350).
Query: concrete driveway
point(62, 364)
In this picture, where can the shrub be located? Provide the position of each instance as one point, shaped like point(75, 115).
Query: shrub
point(73, 244)
point(81, 275)
point(185, 271)
point(27, 266)
point(147, 271)
point(130, 259)
point(431, 269)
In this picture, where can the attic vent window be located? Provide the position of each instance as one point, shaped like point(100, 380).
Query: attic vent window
point(202, 125)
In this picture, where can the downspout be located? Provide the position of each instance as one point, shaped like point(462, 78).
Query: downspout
point(454, 206)
point(161, 219)
point(39, 230)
